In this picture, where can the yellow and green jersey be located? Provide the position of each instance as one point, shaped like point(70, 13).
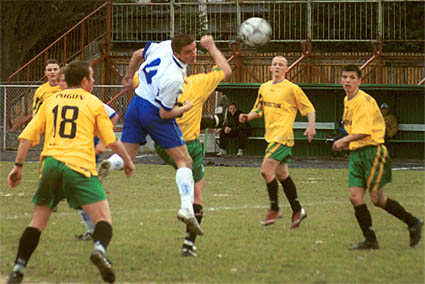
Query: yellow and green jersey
point(363, 116)
point(278, 104)
point(197, 88)
point(41, 94)
point(70, 119)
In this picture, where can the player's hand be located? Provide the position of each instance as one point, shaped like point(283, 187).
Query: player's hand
point(243, 117)
point(128, 169)
point(218, 131)
point(310, 132)
point(15, 176)
point(127, 81)
point(340, 145)
point(207, 42)
point(227, 129)
point(188, 105)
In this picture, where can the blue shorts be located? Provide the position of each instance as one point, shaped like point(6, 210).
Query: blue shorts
point(142, 118)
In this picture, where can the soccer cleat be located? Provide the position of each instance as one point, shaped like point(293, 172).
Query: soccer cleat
point(415, 232)
point(365, 245)
point(15, 277)
point(271, 217)
point(221, 111)
point(240, 153)
point(104, 265)
point(297, 218)
point(189, 219)
point(221, 153)
point(189, 251)
point(87, 236)
point(103, 169)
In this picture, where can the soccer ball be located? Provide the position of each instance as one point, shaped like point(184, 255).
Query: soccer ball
point(255, 32)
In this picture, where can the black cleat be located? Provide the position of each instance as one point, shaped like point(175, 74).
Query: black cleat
point(221, 111)
point(189, 251)
point(416, 232)
point(87, 236)
point(15, 277)
point(365, 245)
point(104, 265)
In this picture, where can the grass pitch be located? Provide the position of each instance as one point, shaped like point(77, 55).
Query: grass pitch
point(236, 248)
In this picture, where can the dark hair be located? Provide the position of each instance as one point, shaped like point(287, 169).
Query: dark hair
point(352, 68)
point(75, 72)
point(179, 41)
point(52, 61)
point(61, 71)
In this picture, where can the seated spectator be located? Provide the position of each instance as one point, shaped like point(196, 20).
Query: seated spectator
point(391, 125)
point(233, 128)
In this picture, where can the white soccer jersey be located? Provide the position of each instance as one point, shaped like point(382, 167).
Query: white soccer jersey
point(161, 75)
point(109, 111)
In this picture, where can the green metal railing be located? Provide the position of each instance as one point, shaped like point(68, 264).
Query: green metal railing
point(292, 20)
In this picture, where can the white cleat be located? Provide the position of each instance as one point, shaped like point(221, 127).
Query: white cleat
point(189, 219)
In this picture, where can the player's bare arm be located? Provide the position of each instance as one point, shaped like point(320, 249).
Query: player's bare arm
point(244, 117)
point(175, 111)
point(208, 43)
point(119, 148)
point(135, 61)
point(311, 129)
point(15, 176)
point(342, 144)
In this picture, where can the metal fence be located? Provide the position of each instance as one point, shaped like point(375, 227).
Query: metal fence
point(16, 105)
point(292, 20)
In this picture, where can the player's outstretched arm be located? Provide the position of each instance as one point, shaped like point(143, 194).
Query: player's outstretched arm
point(311, 129)
point(208, 43)
point(15, 176)
point(133, 66)
point(175, 111)
point(119, 148)
point(244, 117)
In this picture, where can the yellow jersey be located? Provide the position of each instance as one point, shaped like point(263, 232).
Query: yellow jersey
point(197, 88)
point(41, 94)
point(363, 116)
point(70, 119)
point(278, 104)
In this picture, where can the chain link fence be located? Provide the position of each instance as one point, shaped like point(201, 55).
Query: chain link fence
point(16, 103)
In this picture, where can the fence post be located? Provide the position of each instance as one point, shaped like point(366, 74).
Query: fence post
point(238, 13)
point(309, 18)
point(172, 18)
point(380, 18)
point(4, 117)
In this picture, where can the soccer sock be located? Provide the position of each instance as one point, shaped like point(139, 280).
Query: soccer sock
point(27, 244)
point(102, 235)
point(395, 209)
point(117, 163)
point(365, 221)
point(273, 195)
point(291, 193)
point(185, 183)
point(86, 220)
point(191, 237)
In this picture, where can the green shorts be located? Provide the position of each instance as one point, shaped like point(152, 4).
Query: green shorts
point(194, 148)
point(370, 167)
point(57, 182)
point(279, 152)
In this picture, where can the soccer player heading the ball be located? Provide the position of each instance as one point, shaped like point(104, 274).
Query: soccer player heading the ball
point(370, 164)
point(69, 121)
point(278, 101)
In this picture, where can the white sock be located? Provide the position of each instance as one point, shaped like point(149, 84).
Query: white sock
point(217, 120)
point(117, 163)
point(87, 221)
point(185, 183)
point(98, 246)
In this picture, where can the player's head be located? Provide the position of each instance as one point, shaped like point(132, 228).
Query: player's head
point(79, 74)
point(51, 70)
point(184, 48)
point(279, 67)
point(351, 78)
point(61, 78)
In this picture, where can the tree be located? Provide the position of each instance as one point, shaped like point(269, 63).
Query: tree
point(27, 24)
